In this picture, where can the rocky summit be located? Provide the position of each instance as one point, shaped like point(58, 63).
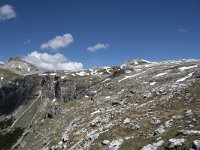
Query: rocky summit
point(139, 105)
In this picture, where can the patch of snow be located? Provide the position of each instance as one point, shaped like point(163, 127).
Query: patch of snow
point(160, 74)
point(128, 77)
point(107, 97)
point(29, 69)
point(145, 60)
point(183, 79)
point(63, 77)
point(1, 78)
point(153, 146)
point(93, 72)
point(53, 101)
point(52, 74)
point(108, 79)
point(82, 73)
point(95, 112)
point(152, 83)
point(73, 74)
point(2, 63)
point(19, 66)
point(43, 74)
point(108, 69)
point(186, 68)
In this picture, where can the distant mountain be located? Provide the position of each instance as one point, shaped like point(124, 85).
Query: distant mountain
point(19, 66)
point(139, 105)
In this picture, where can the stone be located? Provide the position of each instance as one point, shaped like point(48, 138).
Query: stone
point(114, 145)
point(196, 145)
point(174, 143)
point(153, 146)
point(105, 142)
point(127, 120)
point(189, 113)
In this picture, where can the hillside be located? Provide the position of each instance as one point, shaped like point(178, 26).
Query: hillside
point(138, 105)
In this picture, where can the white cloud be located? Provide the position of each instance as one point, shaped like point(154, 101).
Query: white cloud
point(48, 62)
point(58, 42)
point(97, 47)
point(7, 12)
point(181, 30)
point(2, 63)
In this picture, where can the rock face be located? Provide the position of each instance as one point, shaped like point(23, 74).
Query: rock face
point(133, 106)
point(20, 66)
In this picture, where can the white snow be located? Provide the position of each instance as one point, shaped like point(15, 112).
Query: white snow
point(186, 68)
point(73, 74)
point(52, 74)
point(107, 97)
point(19, 66)
point(153, 146)
point(1, 78)
point(152, 83)
point(108, 79)
point(43, 74)
point(82, 73)
point(108, 69)
point(29, 69)
point(128, 77)
point(160, 74)
point(93, 72)
point(2, 63)
point(63, 77)
point(95, 112)
point(186, 77)
point(145, 60)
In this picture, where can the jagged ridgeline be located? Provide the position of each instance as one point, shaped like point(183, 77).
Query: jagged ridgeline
point(138, 105)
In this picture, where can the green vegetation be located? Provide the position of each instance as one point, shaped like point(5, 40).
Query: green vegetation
point(6, 123)
point(10, 138)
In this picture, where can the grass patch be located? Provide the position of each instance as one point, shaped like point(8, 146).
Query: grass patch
point(6, 123)
point(10, 138)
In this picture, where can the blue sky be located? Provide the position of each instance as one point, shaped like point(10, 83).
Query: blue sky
point(126, 29)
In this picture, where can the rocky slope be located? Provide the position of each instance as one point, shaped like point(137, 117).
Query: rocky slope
point(138, 105)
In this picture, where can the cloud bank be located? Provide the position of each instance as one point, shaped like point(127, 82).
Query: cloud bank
point(58, 42)
point(97, 47)
point(48, 62)
point(7, 12)
point(2, 63)
point(181, 30)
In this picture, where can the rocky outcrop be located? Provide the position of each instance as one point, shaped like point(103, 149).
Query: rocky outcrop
point(133, 106)
point(20, 66)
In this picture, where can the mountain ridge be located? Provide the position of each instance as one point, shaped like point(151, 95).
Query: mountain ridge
point(132, 106)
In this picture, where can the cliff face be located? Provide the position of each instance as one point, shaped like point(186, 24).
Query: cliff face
point(138, 105)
